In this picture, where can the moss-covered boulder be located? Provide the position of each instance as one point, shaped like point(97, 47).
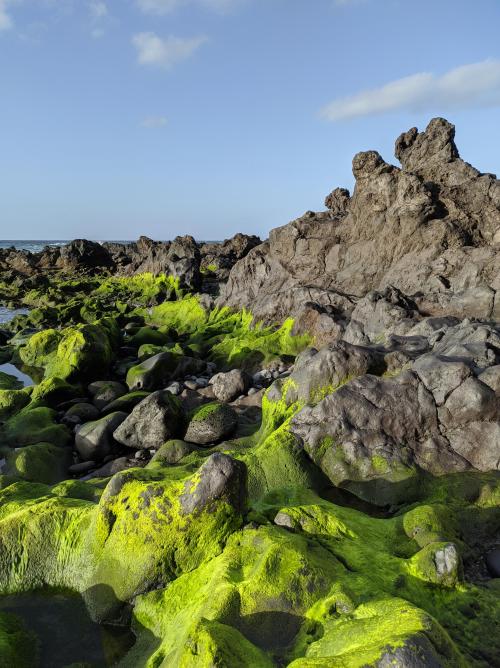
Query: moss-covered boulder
point(33, 425)
point(12, 401)
point(148, 335)
point(42, 462)
point(156, 372)
point(211, 423)
point(77, 353)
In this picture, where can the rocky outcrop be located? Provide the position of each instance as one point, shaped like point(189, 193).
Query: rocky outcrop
point(430, 228)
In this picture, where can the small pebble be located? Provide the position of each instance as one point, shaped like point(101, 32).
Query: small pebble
point(191, 384)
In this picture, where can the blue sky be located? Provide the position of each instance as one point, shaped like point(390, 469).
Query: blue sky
point(165, 117)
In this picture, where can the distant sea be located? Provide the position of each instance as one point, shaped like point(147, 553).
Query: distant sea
point(34, 246)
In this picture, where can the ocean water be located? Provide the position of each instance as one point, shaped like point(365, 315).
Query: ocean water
point(6, 314)
point(35, 246)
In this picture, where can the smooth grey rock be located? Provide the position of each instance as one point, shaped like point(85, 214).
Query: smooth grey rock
point(94, 440)
point(156, 419)
point(441, 375)
point(228, 386)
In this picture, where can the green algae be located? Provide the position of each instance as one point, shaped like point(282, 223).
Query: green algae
point(335, 588)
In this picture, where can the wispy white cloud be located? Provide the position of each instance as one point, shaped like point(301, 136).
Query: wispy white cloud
point(165, 52)
point(162, 7)
point(98, 10)
point(468, 86)
point(6, 22)
point(154, 122)
point(99, 18)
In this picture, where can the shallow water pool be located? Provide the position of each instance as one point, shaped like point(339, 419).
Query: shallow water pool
point(65, 633)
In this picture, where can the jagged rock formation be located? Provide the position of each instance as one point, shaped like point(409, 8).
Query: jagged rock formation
point(430, 229)
point(183, 258)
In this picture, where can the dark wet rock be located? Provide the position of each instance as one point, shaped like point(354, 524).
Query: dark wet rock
point(220, 478)
point(415, 652)
point(83, 411)
point(218, 258)
point(111, 468)
point(492, 559)
point(82, 254)
point(125, 403)
point(229, 386)
point(211, 424)
point(156, 419)
point(94, 440)
point(81, 468)
point(105, 391)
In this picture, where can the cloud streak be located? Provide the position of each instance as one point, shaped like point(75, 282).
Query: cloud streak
point(166, 52)
point(154, 122)
point(163, 7)
point(6, 22)
point(466, 87)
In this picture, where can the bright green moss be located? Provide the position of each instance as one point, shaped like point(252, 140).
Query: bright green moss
point(185, 314)
point(76, 353)
point(12, 401)
point(205, 411)
point(43, 462)
point(31, 426)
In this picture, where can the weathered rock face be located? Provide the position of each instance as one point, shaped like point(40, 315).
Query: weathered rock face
point(220, 258)
point(437, 410)
point(431, 229)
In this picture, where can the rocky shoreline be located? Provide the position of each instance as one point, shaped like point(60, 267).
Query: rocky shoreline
point(278, 453)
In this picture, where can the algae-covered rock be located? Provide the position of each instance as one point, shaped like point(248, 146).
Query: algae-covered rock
point(12, 401)
point(369, 435)
point(42, 462)
point(172, 452)
point(71, 354)
point(156, 419)
point(211, 423)
point(156, 372)
point(148, 335)
point(31, 426)
point(94, 440)
point(143, 536)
